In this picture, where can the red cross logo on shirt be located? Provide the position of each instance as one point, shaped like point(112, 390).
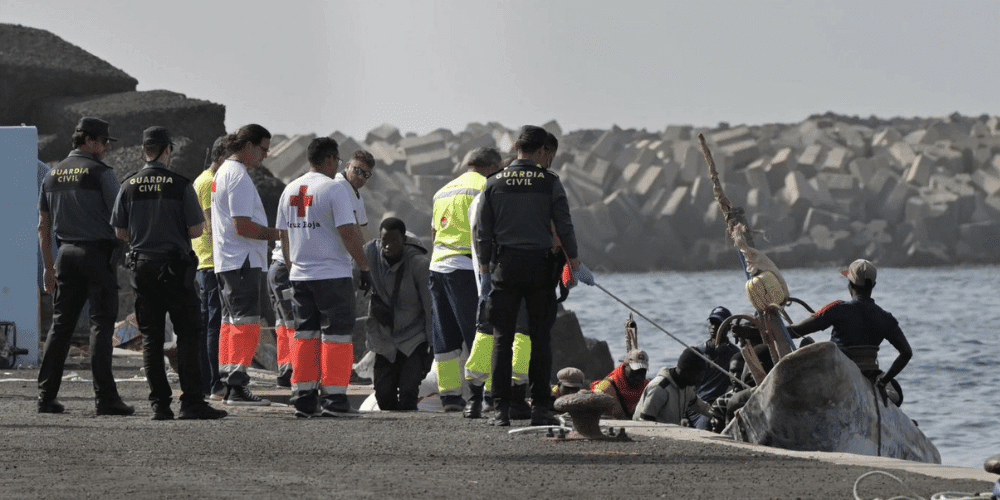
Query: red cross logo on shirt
point(302, 200)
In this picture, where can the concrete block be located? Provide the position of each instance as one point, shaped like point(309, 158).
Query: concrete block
point(774, 230)
point(675, 133)
point(601, 172)
point(483, 140)
point(823, 197)
point(920, 170)
point(903, 154)
point(986, 181)
point(891, 209)
point(784, 161)
point(589, 191)
point(730, 136)
point(981, 239)
point(922, 136)
point(678, 204)
point(654, 203)
point(387, 156)
point(416, 145)
point(347, 145)
point(553, 128)
point(701, 193)
point(798, 193)
point(604, 228)
point(757, 200)
point(740, 153)
point(437, 162)
point(572, 196)
point(886, 138)
point(623, 208)
point(862, 169)
point(811, 159)
point(840, 186)
point(287, 159)
point(651, 179)
point(505, 141)
point(881, 183)
point(836, 160)
point(605, 146)
point(383, 133)
point(430, 184)
point(737, 193)
point(757, 179)
point(830, 243)
point(690, 162)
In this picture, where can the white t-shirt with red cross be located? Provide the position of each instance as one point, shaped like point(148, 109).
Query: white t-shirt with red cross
point(311, 208)
point(234, 195)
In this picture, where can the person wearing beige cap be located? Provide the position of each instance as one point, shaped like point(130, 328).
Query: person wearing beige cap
point(625, 384)
point(860, 326)
point(571, 381)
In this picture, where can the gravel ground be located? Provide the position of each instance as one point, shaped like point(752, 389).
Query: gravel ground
point(267, 453)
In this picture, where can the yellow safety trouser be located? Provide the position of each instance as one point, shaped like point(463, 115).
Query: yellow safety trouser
point(479, 366)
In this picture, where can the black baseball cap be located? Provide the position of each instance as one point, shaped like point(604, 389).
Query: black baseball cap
point(94, 127)
point(156, 135)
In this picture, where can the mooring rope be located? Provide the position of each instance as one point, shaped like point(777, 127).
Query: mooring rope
point(681, 342)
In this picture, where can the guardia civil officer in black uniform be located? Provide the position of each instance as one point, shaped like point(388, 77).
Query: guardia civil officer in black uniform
point(514, 238)
point(75, 201)
point(158, 213)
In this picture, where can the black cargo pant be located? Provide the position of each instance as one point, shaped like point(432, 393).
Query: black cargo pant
point(160, 290)
point(522, 275)
point(84, 271)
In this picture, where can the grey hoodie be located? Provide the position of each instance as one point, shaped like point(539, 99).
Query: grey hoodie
point(412, 314)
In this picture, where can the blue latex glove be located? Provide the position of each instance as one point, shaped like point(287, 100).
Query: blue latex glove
point(583, 274)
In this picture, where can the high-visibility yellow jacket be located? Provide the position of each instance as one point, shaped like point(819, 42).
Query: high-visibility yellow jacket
point(450, 221)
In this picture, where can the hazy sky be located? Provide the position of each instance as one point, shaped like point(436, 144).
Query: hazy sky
point(299, 67)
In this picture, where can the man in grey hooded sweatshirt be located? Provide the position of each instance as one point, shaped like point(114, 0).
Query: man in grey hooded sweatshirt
point(399, 317)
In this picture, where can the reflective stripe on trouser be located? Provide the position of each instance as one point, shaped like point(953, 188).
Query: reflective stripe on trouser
point(279, 290)
point(239, 333)
point(283, 337)
point(453, 323)
point(449, 368)
point(321, 364)
point(324, 321)
point(477, 368)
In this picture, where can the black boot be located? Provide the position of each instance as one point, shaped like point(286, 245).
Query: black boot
point(501, 417)
point(474, 408)
point(542, 416)
point(519, 409)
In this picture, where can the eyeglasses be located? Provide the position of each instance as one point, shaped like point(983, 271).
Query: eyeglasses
point(367, 174)
point(265, 150)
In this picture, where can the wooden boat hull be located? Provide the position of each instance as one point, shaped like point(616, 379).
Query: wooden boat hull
point(816, 399)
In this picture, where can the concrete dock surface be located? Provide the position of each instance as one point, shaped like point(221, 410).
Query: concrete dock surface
point(265, 452)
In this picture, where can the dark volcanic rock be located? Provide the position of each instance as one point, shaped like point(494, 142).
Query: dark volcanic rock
point(130, 113)
point(35, 64)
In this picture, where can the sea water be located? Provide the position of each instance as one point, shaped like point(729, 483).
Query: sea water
point(950, 315)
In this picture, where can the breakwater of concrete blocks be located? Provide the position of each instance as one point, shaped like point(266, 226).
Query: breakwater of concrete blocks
point(829, 189)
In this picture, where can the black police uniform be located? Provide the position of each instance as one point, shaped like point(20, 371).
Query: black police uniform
point(514, 238)
point(158, 207)
point(78, 194)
